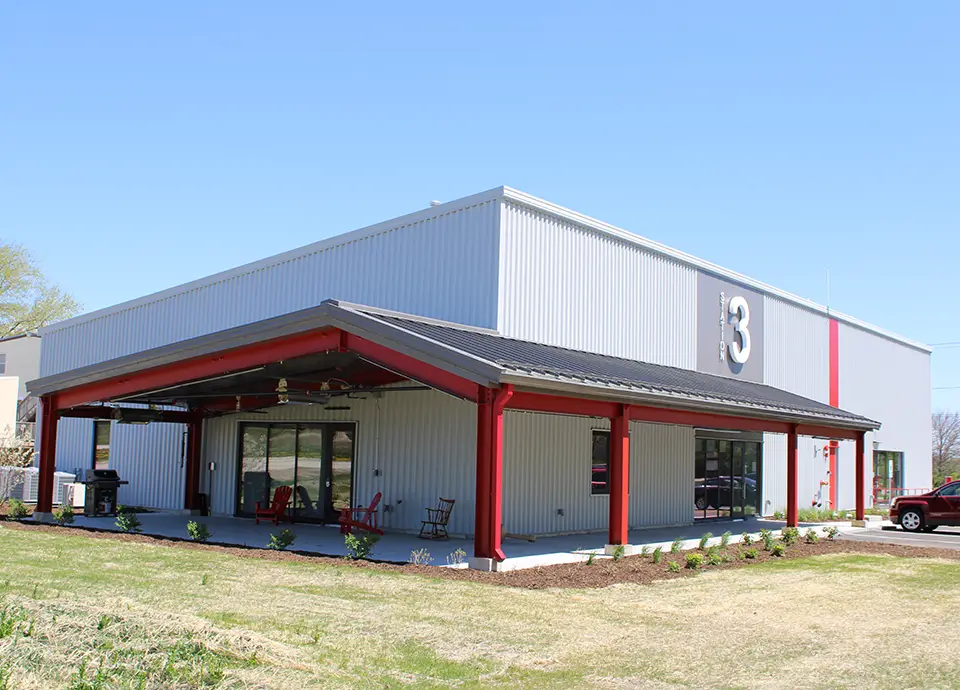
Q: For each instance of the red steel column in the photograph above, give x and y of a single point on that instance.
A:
(861, 475)
(49, 417)
(792, 472)
(835, 402)
(619, 477)
(191, 499)
(489, 512)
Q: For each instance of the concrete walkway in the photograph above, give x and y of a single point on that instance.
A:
(327, 540)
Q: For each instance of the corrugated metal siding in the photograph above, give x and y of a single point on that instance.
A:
(443, 266)
(661, 474)
(427, 449)
(890, 383)
(547, 468)
(149, 457)
(796, 358)
(563, 284)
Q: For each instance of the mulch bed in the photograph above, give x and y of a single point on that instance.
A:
(601, 573)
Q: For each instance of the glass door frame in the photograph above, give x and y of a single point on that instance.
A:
(329, 429)
(740, 511)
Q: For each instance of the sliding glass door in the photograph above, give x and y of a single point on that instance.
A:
(727, 475)
(315, 460)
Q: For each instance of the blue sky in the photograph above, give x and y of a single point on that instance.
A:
(145, 145)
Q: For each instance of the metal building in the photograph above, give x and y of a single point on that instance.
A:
(551, 372)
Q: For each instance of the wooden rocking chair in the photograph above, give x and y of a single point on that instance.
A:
(435, 526)
(275, 511)
(361, 518)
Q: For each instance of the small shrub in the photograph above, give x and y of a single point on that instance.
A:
(673, 567)
(198, 531)
(63, 515)
(590, 558)
(714, 558)
(725, 540)
(703, 540)
(751, 554)
(790, 536)
(778, 550)
(281, 541)
(645, 550)
(811, 536)
(619, 552)
(658, 554)
(360, 547)
(676, 545)
(694, 560)
(17, 509)
(457, 557)
(204, 580)
(832, 532)
(746, 539)
(127, 520)
(767, 537)
(779, 515)
(420, 557)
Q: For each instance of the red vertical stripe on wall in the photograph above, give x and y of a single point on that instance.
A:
(835, 402)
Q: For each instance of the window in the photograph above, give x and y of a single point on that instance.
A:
(951, 489)
(600, 462)
(101, 445)
(3, 364)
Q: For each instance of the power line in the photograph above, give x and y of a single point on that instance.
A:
(945, 388)
(952, 344)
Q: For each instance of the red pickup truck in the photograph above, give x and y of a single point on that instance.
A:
(928, 511)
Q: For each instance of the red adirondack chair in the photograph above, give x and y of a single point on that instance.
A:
(361, 518)
(275, 511)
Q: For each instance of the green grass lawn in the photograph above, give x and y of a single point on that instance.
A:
(77, 612)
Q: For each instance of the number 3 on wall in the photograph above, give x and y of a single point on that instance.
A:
(740, 352)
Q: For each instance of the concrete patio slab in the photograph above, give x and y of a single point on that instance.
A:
(326, 540)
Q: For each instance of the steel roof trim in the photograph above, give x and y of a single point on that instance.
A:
(550, 208)
(679, 401)
(328, 314)
(298, 252)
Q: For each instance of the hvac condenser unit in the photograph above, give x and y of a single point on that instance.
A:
(31, 485)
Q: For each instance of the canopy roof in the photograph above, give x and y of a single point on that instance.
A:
(476, 355)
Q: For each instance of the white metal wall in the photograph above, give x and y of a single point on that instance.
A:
(149, 457)
(547, 469)
(888, 382)
(796, 358)
(422, 443)
(442, 265)
(563, 284)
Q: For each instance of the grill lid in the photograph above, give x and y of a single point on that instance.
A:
(94, 476)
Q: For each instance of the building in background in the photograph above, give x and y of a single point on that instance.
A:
(547, 300)
(19, 363)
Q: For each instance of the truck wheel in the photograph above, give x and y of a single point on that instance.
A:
(911, 520)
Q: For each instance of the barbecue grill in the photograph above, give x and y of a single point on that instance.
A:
(101, 495)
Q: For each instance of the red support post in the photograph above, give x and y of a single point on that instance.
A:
(861, 476)
(49, 416)
(194, 459)
(489, 508)
(619, 477)
(793, 469)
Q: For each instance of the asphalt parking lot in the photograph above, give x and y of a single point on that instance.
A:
(942, 538)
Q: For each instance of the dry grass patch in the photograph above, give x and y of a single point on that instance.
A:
(166, 617)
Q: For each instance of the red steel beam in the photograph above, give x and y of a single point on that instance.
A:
(619, 477)
(557, 404)
(194, 459)
(489, 502)
(198, 368)
(793, 470)
(861, 477)
(411, 367)
(827, 432)
(48, 453)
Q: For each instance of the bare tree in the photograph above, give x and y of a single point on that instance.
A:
(946, 445)
(27, 299)
(14, 459)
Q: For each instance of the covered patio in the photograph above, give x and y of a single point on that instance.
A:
(338, 350)
(325, 540)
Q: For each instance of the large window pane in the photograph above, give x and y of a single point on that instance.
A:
(310, 495)
(342, 468)
(600, 461)
(101, 445)
(253, 469)
(282, 464)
